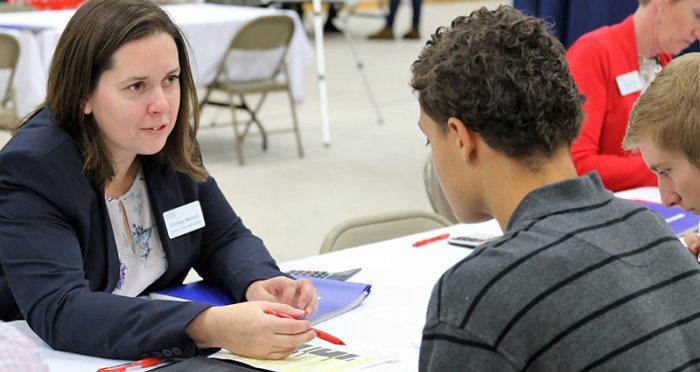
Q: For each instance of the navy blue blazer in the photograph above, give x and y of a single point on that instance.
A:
(59, 261)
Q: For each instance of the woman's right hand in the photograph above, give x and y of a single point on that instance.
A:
(246, 330)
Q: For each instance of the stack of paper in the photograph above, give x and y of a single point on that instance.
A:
(317, 356)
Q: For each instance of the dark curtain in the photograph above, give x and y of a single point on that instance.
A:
(573, 18)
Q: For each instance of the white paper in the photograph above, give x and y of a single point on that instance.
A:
(318, 355)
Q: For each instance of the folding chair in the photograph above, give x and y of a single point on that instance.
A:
(9, 54)
(370, 229)
(434, 190)
(263, 34)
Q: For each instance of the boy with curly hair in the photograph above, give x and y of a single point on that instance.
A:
(580, 279)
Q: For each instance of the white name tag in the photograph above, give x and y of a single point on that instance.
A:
(629, 83)
(185, 219)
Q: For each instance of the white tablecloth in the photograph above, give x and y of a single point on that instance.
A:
(391, 317)
(207, 27)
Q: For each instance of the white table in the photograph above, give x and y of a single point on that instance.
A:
(648, 193)
(402, 278)
(393, 315)
(207, 27)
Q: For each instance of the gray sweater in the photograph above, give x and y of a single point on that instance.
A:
(580, 281)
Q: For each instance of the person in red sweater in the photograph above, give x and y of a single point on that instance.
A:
(612, 66)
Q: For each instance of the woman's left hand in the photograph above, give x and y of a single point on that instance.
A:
(299, 293)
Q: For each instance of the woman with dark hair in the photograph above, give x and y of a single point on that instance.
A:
(104, 198)
(612, 66)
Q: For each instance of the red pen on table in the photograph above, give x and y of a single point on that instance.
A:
(431, 240)
(322, 335)
(143, 363)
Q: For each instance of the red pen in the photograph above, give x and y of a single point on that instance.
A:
(143, 363)
(322, 335)
(431, 240)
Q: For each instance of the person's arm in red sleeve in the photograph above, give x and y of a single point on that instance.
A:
(590, 67)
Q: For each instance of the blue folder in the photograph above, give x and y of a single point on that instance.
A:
(335, 296)
(196, 291)
(678, 220)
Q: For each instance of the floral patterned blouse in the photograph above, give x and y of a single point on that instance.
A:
(141, 257)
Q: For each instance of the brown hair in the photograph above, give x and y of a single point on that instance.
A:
(504, 76)
(668, 112)
(84, 52)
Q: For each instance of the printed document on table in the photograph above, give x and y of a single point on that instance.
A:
(318, 355)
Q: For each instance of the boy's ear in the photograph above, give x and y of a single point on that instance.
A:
(464, 139)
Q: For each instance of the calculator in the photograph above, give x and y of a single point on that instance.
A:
(340, 275)
(472, 240)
